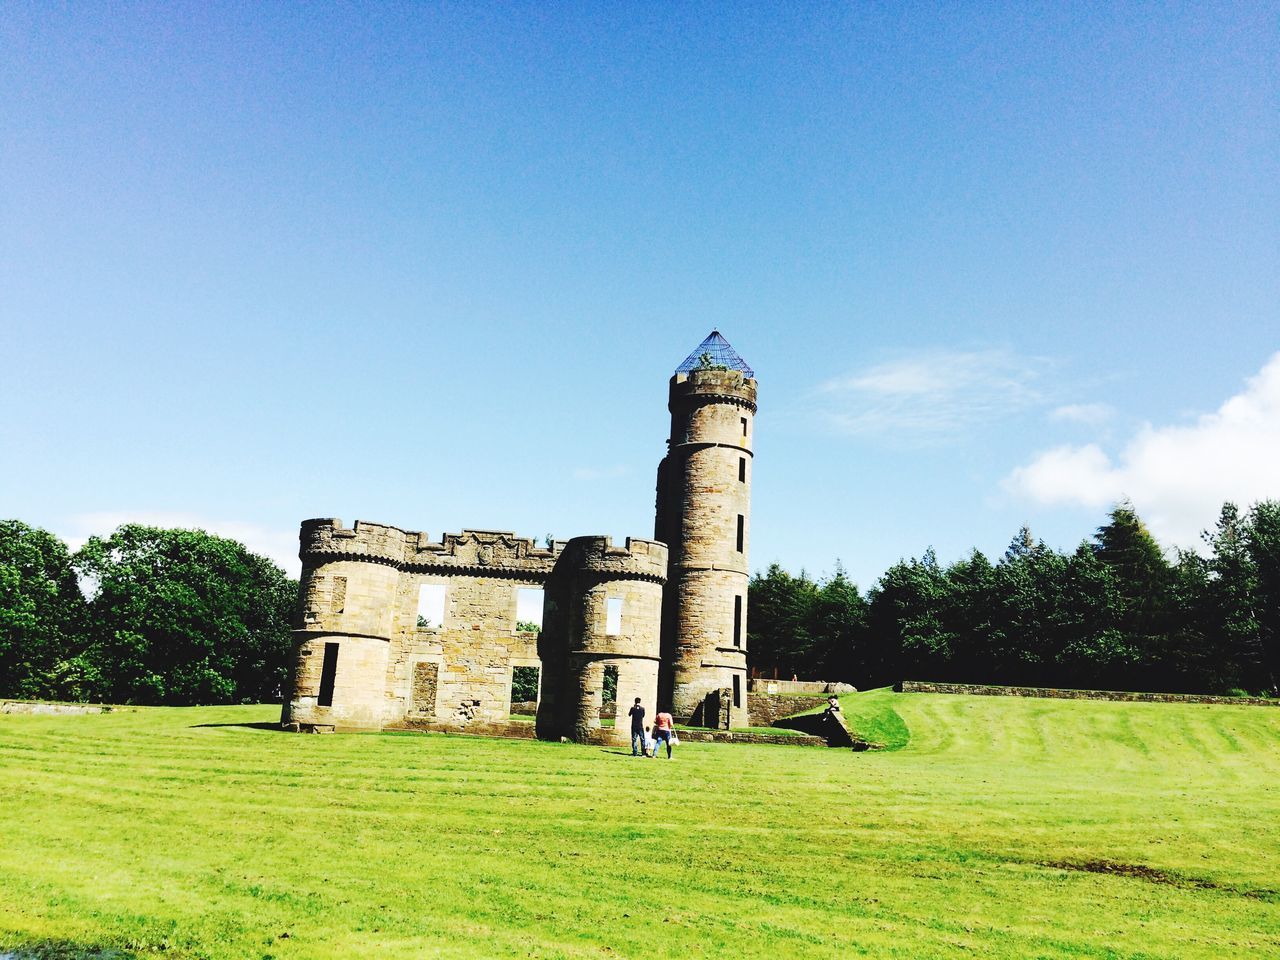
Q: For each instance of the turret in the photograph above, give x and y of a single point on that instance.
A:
(602, 616)
(348, 602)
(704, 516)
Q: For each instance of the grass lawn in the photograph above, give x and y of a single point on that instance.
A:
(993, 827)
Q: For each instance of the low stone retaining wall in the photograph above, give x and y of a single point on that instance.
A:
(734, 736)
(1052, 693)
(513, 728)
(60, 709)
(765, 709)
(530, 708)
(761, 685)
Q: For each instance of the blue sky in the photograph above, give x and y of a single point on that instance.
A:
(432, 265)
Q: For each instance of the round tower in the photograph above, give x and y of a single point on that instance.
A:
(338, 680)
(704, 516)
(602, 617)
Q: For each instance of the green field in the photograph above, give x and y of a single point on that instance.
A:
(993, 827)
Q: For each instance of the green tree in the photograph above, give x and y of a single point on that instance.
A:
(779, 622)
(1219, 596)
(42, 618)
(1091, 650)
(908, 635)
(1144, 580)
(1262, 543)
(183, 617)
(838, 628)
(969, 604)
(1028, 588)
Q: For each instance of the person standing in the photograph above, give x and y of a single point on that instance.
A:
(663, 727)
(637, 729)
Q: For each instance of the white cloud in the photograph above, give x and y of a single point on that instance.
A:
(929, 394)
(280, 546)
(1090, 414)
(1177, 476)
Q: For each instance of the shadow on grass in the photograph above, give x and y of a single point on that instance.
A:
(247, 726)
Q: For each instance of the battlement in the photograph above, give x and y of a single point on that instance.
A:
(711, 385)
(478, 550)
(376, 542)
(470, 550)
(638, 559)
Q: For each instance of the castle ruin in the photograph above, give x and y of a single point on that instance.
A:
(398, 631)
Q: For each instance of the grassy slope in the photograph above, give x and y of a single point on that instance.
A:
(148, 829)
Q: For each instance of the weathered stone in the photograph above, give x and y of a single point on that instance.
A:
(703, 513)
(363, 662)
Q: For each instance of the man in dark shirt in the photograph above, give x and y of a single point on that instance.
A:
(637, 729)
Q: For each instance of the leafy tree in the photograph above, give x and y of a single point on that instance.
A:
(906, 622)
(838, 627)
(1262, 544)
(1091, 650)
(1028, 584)
(42, 618)
(969, 605)
(524, 684)
(779, 622)
(182, 617)
(1144, 579)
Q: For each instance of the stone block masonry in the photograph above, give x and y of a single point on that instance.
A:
(703, 513)
(767, 709)
(397, 629)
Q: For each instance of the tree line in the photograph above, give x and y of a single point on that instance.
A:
(156, 616)
(164, 617)
(1115, 613)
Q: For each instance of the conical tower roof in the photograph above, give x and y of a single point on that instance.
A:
(715, 352)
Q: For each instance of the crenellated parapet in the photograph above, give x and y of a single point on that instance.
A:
(323, 540)
(598, 558)
(495, 553)
(712, 386)
(472, 552)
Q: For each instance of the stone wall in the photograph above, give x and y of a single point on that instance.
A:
(984, 690)
(766, 709)
(56, 709)
(473, 650)
(765, 685)
(742, 736)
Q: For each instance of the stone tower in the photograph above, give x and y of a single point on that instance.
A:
(602, 614)
(349, 582)
(703, 515)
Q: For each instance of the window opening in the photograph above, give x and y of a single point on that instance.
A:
(741, 530)
(737, 690)
(327, 673)
(529, 609)
(524, 692)
(737, 621)
(613, 616)
(742, 469)
(744, 426)
(610, 694)
(431, 605)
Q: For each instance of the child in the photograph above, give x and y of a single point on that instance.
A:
(648, 745)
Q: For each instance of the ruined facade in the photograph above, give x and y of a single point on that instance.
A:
(401, 631)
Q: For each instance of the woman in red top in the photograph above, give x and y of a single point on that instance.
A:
(662, 728)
